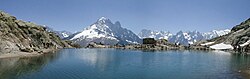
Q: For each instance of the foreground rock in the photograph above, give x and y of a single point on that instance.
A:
(19, 37)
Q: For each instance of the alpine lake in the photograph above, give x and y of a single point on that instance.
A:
(127, 64)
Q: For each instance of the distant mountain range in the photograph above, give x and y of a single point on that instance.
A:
(154, 34)
(61, 34)
(216, 33)
(184, 38)
(105, 32)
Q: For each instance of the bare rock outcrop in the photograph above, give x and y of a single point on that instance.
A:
(20, 36)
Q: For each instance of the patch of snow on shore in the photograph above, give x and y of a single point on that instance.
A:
(221, 46)
(208, 43)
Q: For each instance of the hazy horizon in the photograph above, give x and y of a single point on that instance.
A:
(135, 15)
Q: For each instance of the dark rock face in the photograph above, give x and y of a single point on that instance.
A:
(243, 25)
(240, 34)
(17, 35)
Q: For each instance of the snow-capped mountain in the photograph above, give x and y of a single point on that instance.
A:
(215, 33)
(61, 34)
(105, 32)
(186, 38)
(183, 38)
(154, 34)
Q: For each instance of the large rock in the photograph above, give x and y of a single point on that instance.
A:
(17, 35)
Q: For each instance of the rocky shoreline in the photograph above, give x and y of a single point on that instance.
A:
(27, 54)
(155, 46)
(163, 47)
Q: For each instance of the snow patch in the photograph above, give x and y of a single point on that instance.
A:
(190, 42)
(246, 43)
(65, 35)
(221, 46)
(208, 43)
(102, 18)
(132, 42)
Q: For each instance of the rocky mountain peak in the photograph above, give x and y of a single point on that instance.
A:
(103, 20)
(105, 32)
(180, 32)
(62, 34)
(154, 34)
(117, 23)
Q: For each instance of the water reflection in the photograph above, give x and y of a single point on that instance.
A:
(125, 64)
(168, 63)
(240, 61)
(103, 59)
(11, 68)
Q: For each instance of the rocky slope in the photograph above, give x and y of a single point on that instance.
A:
(17, 36)
(105, 32)
(238, 38)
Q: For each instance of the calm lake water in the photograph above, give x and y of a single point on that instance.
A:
(125, 64)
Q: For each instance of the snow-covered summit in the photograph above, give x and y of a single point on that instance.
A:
(105, 32)
(103, 20)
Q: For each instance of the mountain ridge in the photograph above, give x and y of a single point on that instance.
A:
(105, 32)
(62, 34)
(181, 37)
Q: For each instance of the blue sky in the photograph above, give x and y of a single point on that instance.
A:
(166, 15)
